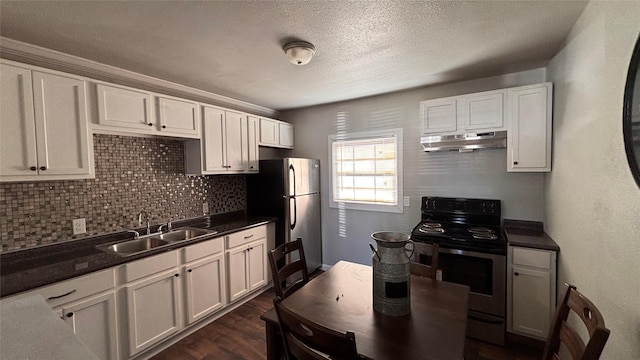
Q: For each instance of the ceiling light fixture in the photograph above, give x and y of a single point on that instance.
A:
(299, 52)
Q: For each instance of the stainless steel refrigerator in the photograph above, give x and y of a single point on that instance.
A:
(289, 189)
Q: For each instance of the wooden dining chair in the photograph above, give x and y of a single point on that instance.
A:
(562, 332)
(304, 339)
(288, 277)
(425, 249)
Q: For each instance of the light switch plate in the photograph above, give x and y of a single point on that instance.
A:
(79, 226)
(407, 201)
(205, 208)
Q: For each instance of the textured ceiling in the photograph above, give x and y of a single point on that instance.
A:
(234, 48)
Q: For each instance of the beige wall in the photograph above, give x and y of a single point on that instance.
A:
(592, 204)
(481, 174)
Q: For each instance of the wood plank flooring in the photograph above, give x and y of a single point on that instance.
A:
(240, 335)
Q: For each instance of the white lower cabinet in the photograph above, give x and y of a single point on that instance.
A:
(153, 310)
(88, 305)
(205, 279)
(246, 261)
(94, 321)
(531, 291)
(153, 300)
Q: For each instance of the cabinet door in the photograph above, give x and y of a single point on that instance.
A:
(205, 287)
(153, 308)
(236, 141)
(237, 264)
(529, 135)
(127, 108)
(94, 322)
(214, 139)
(178, 117)
(269, 132)
(257, 255)
(484, 111)
(531, 301)
(18, 157)
(62, 134)
(285, 134)
(254, 153)
(438, 116)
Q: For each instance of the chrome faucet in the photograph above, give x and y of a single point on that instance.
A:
(168, 225)
(146, 217)
(135, 233)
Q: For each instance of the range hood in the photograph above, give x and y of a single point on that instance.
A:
(464, 142)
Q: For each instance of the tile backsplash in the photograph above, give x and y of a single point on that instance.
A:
(132, 174)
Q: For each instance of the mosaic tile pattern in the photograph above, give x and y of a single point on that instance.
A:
(132, 174)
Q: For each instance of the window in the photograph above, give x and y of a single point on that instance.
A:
(365, 171)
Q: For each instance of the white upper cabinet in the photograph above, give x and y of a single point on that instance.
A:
(178, 117)
(529, 134)
(439, 116)
(483, 111)
(223, 148)
(124, 107)
(44, 132)
(275, 133)
(285, 132)
(253, 125)
(120, 109)
(471, 113)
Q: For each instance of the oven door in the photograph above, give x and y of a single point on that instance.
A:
(485, 274)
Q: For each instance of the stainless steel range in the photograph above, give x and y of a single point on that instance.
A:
(472, 252)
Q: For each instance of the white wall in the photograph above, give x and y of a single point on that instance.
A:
(592, 204)
(481, 174)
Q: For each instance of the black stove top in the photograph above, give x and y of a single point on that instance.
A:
(464, 224)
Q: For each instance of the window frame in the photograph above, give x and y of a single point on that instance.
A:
(398, 207)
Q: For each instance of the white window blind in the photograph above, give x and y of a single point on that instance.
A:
(365, 171)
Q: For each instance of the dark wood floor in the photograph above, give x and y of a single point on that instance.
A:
(240, 335)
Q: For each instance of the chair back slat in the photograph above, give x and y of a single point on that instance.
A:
(424, 249)
(288, 276)
(304, 338)
(562, 332)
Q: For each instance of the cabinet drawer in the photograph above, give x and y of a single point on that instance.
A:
(66, 291)
(246, 236)
(531, 257)
(151, 265)
(203, 249)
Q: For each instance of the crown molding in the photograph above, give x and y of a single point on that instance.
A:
(55, 60)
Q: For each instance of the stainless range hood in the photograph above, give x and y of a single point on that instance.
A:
(465, 142)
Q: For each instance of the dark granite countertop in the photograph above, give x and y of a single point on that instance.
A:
(528, 234)
(27, 269)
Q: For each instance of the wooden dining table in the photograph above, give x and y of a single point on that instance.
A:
(341, 298)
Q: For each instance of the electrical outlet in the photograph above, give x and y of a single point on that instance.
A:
(205, 208)
(79, 226)
(407, 201)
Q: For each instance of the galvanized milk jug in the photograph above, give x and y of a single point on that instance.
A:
(391, 271)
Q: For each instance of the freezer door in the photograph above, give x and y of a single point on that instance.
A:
(304, 222)
(303, 176)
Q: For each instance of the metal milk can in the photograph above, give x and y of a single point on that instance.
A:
(391, 273)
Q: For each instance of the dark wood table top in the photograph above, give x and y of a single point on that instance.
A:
(342, 299)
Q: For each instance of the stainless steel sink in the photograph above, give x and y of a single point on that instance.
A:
(154, 241)
(132, 247)
(185, 233)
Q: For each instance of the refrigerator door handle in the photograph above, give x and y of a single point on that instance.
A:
(295, 212)
(292, 171)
